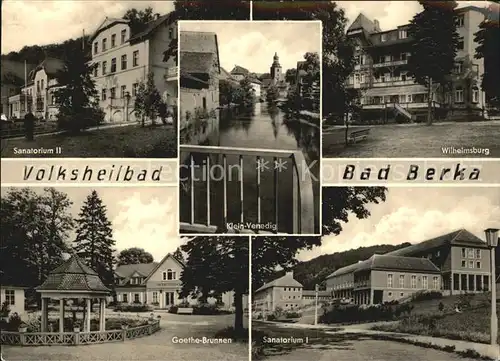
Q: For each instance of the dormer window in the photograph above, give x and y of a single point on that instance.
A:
(383, 38)
(460, 20)
(403, 34)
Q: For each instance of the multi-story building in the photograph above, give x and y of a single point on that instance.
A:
(309, 297)
(239, 73)
(158, 284)
(454, 263)
(38, 94)
(14, 77)
(387, 89)
(199, 74)
(124, 59)
(284, 292)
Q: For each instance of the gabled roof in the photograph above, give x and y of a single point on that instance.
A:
(127, 270)
(458, 237)
(198, 42)
(162, 262)
(363, 23)
(196, 63)
(52, 66)
(106, 24)
(73, 275)
(285, 281)
(385, 262)
(255, 81)
(239, 70)
(347, 269)
(152, 26)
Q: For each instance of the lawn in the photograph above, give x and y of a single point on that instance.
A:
(130, 141)
(418, 140)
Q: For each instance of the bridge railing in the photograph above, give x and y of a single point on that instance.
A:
(302, 189)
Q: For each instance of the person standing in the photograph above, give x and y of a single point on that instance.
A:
(29, 125)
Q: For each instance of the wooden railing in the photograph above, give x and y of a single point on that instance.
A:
(76, 338)
(303, 201)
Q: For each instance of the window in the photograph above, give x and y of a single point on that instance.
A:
(486, 283)
(170, 33)
(438, 253)
(123, 90)
(403, 34)
(389, 294)
(401, 281)
(123, 35)
(425, 282)
(134, 89)
(135, 58)
(113, 65)
(112, 93)
(383, 37)
(104, 67)
(96, 69)
(401, 294)
(435, 282)
(390, 280)
(409, 98)
(96, 47)
(460, 21)
(103, 94)
(470, 252)
(461, 43)
(459, 95)
(471, 264)
(136, 298)
(478, 264)
(475, 99)
(124, 62)
(170, 274)
(478, 253)
(464, 264)
(458, 68)
(113, 40)
(104, 44)
(402, 56)
(10, 297)
(125, 298)
(413, 281)
(42, 85)
(403, 76)
(464, 253)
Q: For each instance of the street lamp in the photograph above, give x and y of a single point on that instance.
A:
(492, 242)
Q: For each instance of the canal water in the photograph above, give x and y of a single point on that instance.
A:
(264, 127)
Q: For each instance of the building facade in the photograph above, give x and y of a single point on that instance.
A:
(14, 296)
(14, 76)
(124, 59)
(284, 292)
(239, 73)
(387, 89)
(199, 75)
(157, 284)
(454, 263)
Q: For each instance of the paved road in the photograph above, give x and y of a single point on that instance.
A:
(366, 350)
(158, 346)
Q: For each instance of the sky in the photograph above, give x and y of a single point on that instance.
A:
(30, 22)
(252, 44)
(414, 215)
(143, 217)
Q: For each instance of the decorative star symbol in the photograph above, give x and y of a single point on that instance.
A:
(280, 164)
(262, 165)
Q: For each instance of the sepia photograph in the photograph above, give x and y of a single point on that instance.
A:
(398, 271)
(94, 78)
(249, 125)
(407, 78)
(105, 277)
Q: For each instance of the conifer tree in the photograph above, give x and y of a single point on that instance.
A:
(94, 238)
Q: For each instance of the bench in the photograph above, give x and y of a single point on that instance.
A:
(185, 311)
(358, 135)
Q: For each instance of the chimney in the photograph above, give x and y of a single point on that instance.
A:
(289, 273)
(377, 25)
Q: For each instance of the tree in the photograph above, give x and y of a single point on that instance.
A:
(94, 238)
(340, 202)
(488, 49)
(148, 100)
(216, 265)
(247, 93)
(76, 96)
(227, 93)
(337, 51)
(178, 255)
(138, 19)
(134, 255)
(213, 10)
(311, 79)
(272, 94)
(35, 228)
(291, 76)
(434, 47)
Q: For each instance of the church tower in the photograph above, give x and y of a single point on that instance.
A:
(276, 73)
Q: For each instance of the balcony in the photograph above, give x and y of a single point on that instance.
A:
(419, 105)
(380, 84)
(172, 73)
(362, 284)
(390, 63)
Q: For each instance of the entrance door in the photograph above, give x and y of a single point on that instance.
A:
(169, 299)
(378, 296)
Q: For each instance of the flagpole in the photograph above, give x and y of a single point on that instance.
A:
(25, 87)
(83, 40)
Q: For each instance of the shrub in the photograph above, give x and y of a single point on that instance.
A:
(5, 310)
(441, 306)
(427, 295)
(132, 308)
(14, 322)
(271, 317)
(354, 314)
(205, 309)
(173, 309)
(292, 314)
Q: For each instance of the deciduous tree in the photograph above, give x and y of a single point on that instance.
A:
(148, 100)
(434, 47)
(272, 94)
(213, 10)
(291, 75)
(134, 255)
(138, 19)
(94, 240)
(246, 96)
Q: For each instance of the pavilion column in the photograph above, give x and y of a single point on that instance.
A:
(44, 314)
(87, 327)
(61, 315)
(102, 314)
